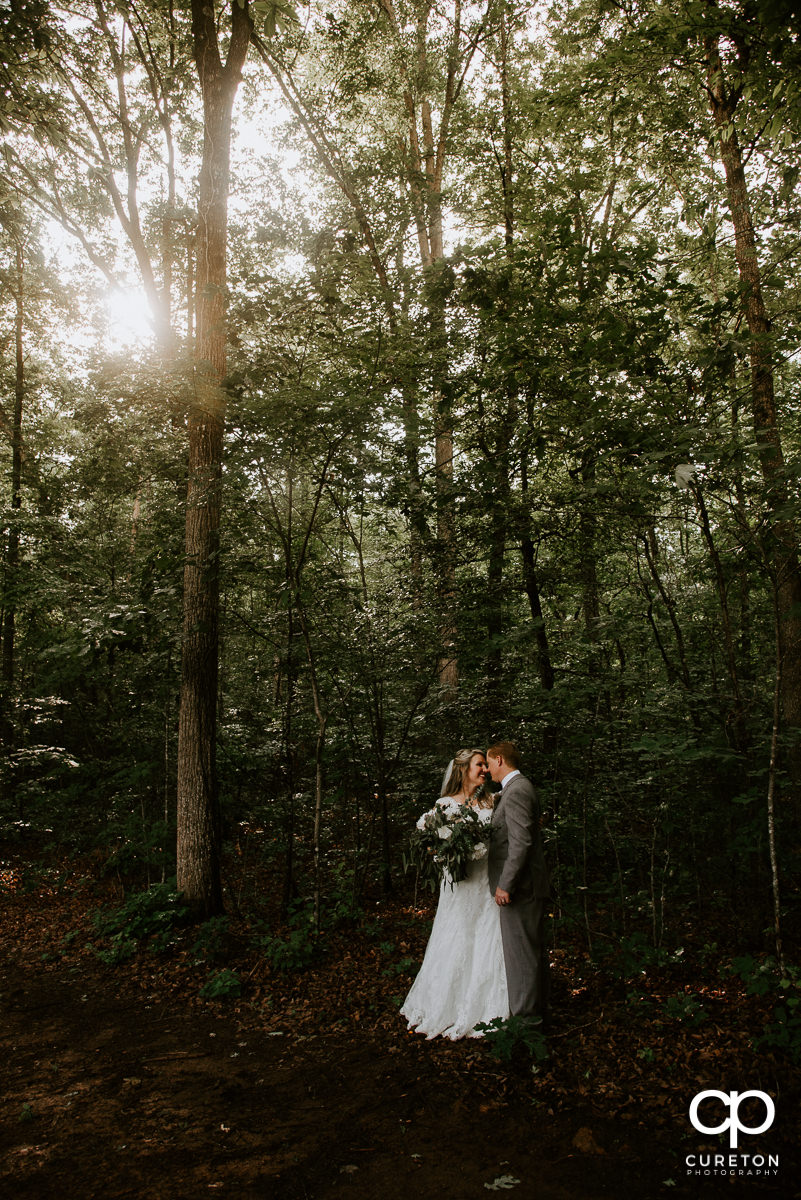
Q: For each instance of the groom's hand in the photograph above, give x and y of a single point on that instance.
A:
(502, 897)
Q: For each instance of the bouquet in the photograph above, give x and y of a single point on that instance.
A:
(447, 839)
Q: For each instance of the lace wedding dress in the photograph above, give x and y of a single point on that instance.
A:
(463, 979)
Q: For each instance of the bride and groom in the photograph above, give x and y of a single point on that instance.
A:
(487, 956)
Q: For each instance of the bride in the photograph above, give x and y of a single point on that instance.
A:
(462, 981)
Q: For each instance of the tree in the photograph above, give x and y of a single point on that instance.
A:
(724, 98)
(198, 800)
(419, 60)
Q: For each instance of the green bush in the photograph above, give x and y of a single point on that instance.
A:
(341, 906)
(765, 977)
(504, 1037)
(222, 985)
(212, 938)
(119, 950)
(686, 1009)
(151, 916)
(138, 844)
(296, 949)
(784, 1031)
(635, 955)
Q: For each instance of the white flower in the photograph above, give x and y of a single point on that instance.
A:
(480, 851)
(445, 831)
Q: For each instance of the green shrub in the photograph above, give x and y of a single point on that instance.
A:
(222, 985)
(685, 1008)
(138, 844)
(636, 955)
(212, 938)
(150, 916)
(504, 1037)
(296, 949)
(341, 907)
(784, 1031)
(119, 950)
(765, 977)
(402, 967)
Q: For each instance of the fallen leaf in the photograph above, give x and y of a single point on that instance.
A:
(586, 1143)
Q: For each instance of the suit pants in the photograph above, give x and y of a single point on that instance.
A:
(525, 955)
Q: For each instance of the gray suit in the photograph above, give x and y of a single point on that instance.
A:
(516, 864)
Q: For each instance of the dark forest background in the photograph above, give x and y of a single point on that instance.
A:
(507, 405)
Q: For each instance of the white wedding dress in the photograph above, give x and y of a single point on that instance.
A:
(463, 979)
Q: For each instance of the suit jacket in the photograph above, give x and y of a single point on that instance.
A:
(516, 861)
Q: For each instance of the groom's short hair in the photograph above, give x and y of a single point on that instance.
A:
(508, 751)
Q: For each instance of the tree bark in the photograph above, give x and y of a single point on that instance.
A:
(12, 549)
(738, 716)
(198, 801)
(527, 551)
(12, 546)
(784, 540)
(531, 582)
(587, 543)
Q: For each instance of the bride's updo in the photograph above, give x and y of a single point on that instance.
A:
(459, 767)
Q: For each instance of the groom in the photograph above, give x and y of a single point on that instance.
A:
(518, 878)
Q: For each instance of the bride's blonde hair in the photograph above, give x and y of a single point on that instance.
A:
(459, 768)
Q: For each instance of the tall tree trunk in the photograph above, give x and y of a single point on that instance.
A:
(587, 546)
(418, 525)
(531, 584)
(784, 548)
(738, 715)
(527, 552)
(321, 717)
(12, 546)
(198, 801)
(499, 516)
(446, 545)
(290, 758)
(501, 501)
(426, 149)
(12, 549)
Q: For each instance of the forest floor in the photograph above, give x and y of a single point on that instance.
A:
(123, 1081)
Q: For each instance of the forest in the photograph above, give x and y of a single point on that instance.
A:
(380, 378)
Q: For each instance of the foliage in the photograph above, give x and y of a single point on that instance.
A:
(686, 1008)
(137, 844)
(765, 978)
(150, 917)
(342, 906)
(600, 533)
(222, 985)
(296, 949)
(212, 938)
(635, 955)
(506, 1038)
(446, 840)
(345, 1007)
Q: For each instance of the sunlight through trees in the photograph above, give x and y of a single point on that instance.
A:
(341, 423)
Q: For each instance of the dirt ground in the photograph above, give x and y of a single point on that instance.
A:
(117, 1083)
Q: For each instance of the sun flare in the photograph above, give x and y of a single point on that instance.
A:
(130, 321)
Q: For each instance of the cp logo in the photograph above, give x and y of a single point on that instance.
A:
(732, 1101)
